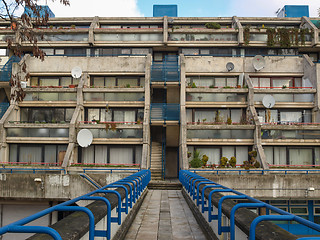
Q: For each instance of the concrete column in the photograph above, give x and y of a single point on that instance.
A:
(165, 29)
(236, 24)
(306, 23)
(94, 24)
(257, 130)
(145, 162)
(183, 158)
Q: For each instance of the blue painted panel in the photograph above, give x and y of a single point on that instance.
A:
(294, 11)
(165, 10)
(43, 10)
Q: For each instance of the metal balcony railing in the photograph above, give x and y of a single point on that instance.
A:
(3, 108)
(165, 111)
(166, 71)
(6, 71)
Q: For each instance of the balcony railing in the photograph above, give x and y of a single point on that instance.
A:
(6, 70)
(3, 108)
(167, 71)
(165, 111)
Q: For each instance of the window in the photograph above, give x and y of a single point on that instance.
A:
(48, 115)
(217, 82)
(123, 115)
(284, 116)
(217, 115)
(110, 154)
(277, 82)
(37, 153)
(114, 81)
(53, 81)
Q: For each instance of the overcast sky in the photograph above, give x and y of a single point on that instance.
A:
(191, 8)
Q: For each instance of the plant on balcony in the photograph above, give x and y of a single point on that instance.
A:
(284, 86)
(233, 162)
(212, 25)
(193, 85)
(295, 36)
(246, 35)
(204, 160)
(196, 160)
(224, 162)
(218, 118)
(128, 85)
(229, 121)
(204, 120)
(112, 126)
(271, 37)
(303, 33)
(284, 37)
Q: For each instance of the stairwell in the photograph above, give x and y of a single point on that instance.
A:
(156, 161)
(156, 113)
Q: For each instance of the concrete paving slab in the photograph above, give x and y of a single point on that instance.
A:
(164, 215)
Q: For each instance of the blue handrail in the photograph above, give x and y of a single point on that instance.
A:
(165, 111)
(33, 170)
(189, 180)
(3, 108)
(6, 71)
(142, 178)
(166, 71)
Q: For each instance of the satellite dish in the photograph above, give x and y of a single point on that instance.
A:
(258, 62)
(84, 138)
(230, 66)
(268, 101)
(76, 72)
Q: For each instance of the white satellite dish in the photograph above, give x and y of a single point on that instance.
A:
(268, 101)
(84, 138)
(258, 62)
(76, 72)
(230, 66)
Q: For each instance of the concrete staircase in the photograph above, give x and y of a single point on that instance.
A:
(156, 161)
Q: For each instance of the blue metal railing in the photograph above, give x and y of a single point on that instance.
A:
(136, 182)
(165, 111)
(6, 71)
(3, 108)
(189, 180)
(33, 170)
(166, 71)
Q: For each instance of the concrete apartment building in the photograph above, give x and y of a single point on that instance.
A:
(155, 89)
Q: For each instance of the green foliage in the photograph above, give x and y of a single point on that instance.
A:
(223, 162)
(194, 85)
(271, 33)
(205, 159)
(284, 37)
(229, 121)
(253, 153)
(128, 85)
(196, 160)
(233, 162)
(212, 25)
(218, 118)
(246, 35)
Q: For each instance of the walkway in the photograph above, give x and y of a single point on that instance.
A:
(165, 215)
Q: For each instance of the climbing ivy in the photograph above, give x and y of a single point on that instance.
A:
(246, 35)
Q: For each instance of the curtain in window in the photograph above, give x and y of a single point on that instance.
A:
(300, 156)
(121, 155)
(101, 154)
(280, 156)
(50, 154)
(30, 154)
(212, 153)
(228, 152)
(241, 154)
(88, 154)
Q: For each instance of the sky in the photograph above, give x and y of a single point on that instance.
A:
(186, 8)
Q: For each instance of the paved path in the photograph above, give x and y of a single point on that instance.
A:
(164, 215)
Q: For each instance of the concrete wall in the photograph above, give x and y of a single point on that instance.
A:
(271, 186)
(218, 64)
(56, 64)
(53, 186)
